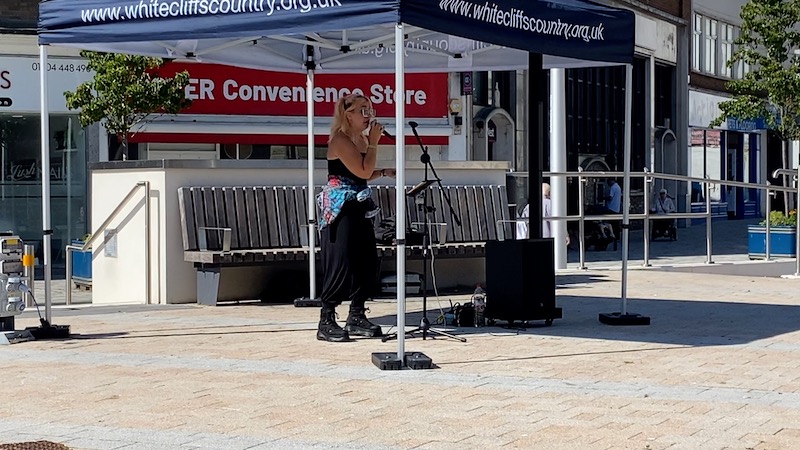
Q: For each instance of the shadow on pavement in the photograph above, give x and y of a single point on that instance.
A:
(674, 322)
(211, 330)
(580, 280)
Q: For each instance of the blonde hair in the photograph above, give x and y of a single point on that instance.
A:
(343, 105)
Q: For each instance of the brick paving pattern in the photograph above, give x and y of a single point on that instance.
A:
(719, 368)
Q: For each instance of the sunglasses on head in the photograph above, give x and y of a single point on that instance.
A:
(349, 101)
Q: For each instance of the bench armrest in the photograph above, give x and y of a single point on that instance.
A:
(500, 226)
(202, 242)
(442, 232)
(304, 235)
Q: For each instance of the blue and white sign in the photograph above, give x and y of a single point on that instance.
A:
(746, 125)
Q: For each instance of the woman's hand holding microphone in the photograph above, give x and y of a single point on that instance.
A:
(376, 130)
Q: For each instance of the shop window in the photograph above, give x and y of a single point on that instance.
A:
(710, 55)
(697, 41)
(726, 49)
(319, 152)
(714, 161)
(742, 68)
(664, 84)
(706, 153)
(116, 152)
(713, 47)
(269, 151)
(237, 151)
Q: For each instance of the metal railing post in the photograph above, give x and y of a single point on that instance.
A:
(708, 223)
(581, 223)
(148, 272)
(68, 291)
(30, 270)
(647, 181)
(767, 248)
(797, 230)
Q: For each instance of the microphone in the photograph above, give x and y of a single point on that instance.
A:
(385, 133)
(412, 124)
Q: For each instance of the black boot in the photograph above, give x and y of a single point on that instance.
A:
(329, 330)
(359, 325)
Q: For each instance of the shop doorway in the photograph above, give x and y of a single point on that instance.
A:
(734, 171)
(494, 136)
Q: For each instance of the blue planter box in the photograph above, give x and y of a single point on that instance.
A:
(81, 263)
(781, 244)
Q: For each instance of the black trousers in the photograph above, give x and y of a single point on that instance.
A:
(349, 258)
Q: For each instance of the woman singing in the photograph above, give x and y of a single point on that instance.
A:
(348, 251)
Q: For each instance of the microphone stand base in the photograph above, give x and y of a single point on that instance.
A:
(411, 360)
(303, 302)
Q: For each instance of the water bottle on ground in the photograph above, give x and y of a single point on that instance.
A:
(479, 302)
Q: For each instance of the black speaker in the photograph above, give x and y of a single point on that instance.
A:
(521, 281)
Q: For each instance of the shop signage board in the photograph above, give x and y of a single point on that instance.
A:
(19, 82)
(219, 89)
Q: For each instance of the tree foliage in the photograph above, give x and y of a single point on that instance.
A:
(125, 90)
(771, 90)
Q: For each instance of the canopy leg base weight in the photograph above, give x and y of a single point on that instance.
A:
(49, 331)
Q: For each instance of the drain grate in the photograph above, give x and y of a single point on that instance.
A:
(38, 445)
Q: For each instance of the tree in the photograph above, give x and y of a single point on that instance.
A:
(768, 43)
(125, 91)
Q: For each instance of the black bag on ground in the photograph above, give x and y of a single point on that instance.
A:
(460, 315)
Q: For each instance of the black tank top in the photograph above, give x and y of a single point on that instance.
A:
(337, 167)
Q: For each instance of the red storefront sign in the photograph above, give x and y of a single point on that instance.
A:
(218, 89)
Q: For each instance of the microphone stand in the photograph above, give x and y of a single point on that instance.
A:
(421, 190)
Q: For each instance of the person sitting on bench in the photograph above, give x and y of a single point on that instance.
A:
(663, 206)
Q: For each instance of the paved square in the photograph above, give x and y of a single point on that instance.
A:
(718, 368)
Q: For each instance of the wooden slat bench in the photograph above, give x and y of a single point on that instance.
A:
(240, 226)
(477, 207)
(263, 225)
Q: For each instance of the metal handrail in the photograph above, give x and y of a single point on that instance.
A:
(646, 216)
(672, 177)
(796, 175)
(86, 245)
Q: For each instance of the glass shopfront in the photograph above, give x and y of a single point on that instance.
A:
(21, 185)
(21, 160)
(727, 155)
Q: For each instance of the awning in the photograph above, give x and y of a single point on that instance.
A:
(318, 36)
(453, 35)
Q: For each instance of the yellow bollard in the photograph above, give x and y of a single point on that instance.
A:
(28, 262)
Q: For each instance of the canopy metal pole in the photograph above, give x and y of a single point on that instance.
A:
(45, 131)
(400, 182)
(626, 183)
(558, 163)
(312, 259)
(624, 317)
